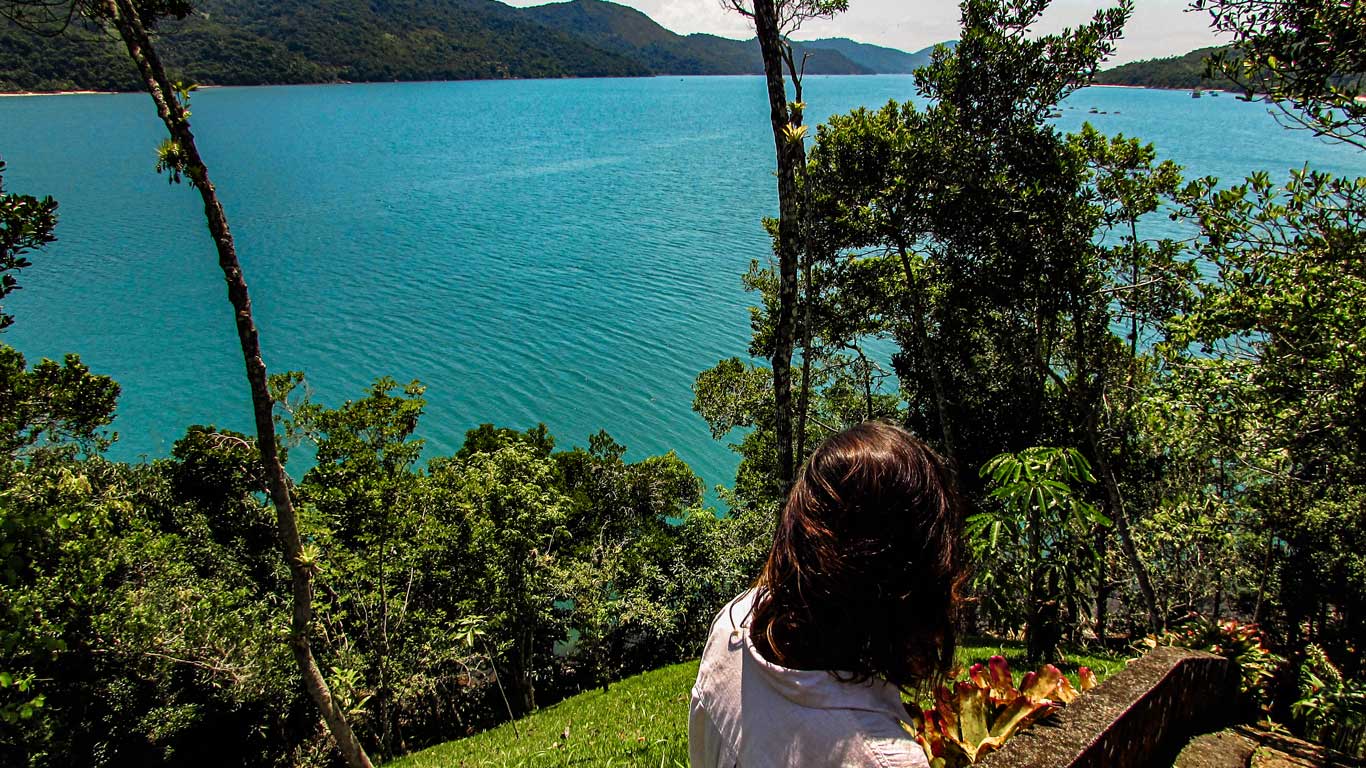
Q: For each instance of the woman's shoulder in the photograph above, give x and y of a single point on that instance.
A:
(734, 616)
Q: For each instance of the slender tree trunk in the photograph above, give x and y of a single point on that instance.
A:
(791, 156)
(804, 397)
(493, 665)
(1126, 541)
(1264, 576)
(867, 385)
(1115, 501)
(124, 16)
(807, 294)
(915, 307)
(1103, 588)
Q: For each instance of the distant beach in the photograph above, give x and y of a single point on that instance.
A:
(16, 94)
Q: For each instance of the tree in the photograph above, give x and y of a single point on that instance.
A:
(774, 20)
(139, 627)
(179, 156)
(55, 407)
(359, 490)
(997, 255)
(513, 516)
(26, 224)
(1285, 319)
(1306, 58)
(1132, 286)
(59, 410)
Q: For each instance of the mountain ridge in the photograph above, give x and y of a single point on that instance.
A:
(880, 59)
(276, 42)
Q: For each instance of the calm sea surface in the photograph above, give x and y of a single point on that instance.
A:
(559, 251)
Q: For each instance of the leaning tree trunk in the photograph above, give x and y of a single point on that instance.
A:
(124, 16)
(1115, 501)
(791, 154)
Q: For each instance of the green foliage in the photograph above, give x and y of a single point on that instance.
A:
(1038, 481)
(139, 627)
(1001, 72)
(929, 227)
(26, 224)
(1242, 643)
(1331, 710)
(1033, 545)
(1286, 312)
(1303, 57)
(53, 407)
(1007, 269)
(1278, 378)
(152, 592)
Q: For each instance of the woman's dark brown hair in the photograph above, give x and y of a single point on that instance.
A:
(866, 564)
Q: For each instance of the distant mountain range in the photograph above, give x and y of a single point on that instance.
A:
(256, 42)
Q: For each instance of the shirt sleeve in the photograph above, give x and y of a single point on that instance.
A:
(706, 747)
(898, 753)
(889, 744)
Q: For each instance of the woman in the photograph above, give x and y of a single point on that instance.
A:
(854, 605)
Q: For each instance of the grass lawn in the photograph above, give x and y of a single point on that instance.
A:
(642, 721)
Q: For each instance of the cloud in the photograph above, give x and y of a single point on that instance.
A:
(1158, 27)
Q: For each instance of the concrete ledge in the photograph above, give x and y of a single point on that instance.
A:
(1225, 749)
(1140, 717)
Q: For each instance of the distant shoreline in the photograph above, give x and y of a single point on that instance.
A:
(1159, 87)
(16, 94)
(19, 94)
(13, 94)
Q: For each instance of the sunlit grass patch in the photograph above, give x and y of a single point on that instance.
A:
(640, 721)
(643, 720)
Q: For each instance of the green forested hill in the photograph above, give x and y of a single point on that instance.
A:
(627, 31)
(241, 42)
(247, 42)
(419, 39)
(1186, 71)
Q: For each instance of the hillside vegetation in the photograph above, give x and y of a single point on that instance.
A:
(254, 42)
(631, 33)
(1186, 71)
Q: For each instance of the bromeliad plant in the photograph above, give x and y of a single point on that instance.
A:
(1331, 709)
(1240, 642)
(983, 712)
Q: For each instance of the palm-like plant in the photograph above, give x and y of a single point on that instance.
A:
(1033, 544)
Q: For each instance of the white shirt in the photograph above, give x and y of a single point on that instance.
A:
(749, 712)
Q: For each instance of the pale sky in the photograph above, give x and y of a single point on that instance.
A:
(1157, 28)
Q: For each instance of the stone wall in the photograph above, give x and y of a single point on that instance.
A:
(1139, 717)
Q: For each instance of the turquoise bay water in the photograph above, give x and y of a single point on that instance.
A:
(557, 251)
